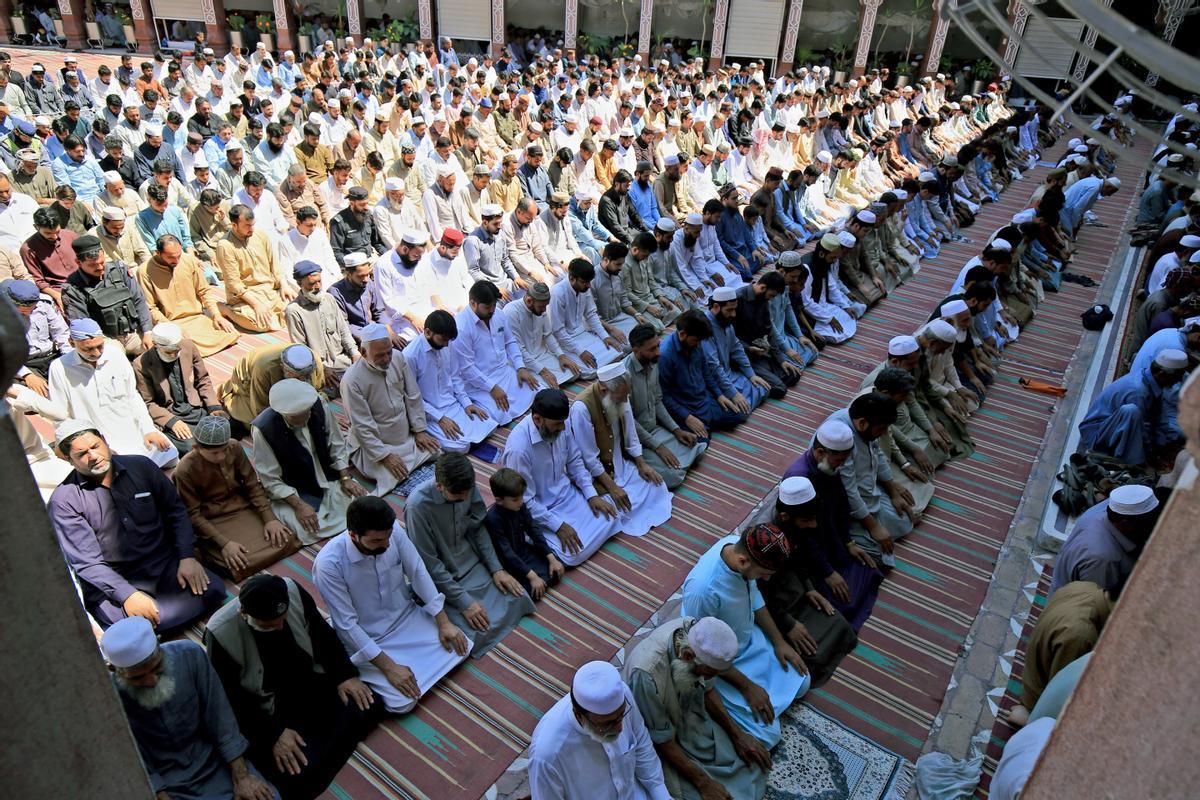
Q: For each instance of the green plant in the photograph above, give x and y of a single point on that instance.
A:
(918, 20)
(375, 34)
(805, 55)
(841, 58)
(236, 22)
(305, 29)
(624, 49)
(983, 70)
(946, 65)
(903, 68)
(123, 15)
(264, 23)
(404, 30)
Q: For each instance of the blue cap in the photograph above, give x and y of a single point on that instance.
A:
(305, 268)
(485, 102)
(85, 328)
(26, 127)
(23, 293)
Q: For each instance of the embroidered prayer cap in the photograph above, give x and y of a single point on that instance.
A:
(234, 144)
(847, 239)
(1171, 359)
(298, 359)
(941, 330)
(539, 291)
(69, 427)
(796, 491)
(903, 346)
(129, 642)
(85, 328)
(212, 431)
(305, 268)
(866, 217)
(713, 642)
(597, 688)
(264, 597)
(666, 224)
(21, 292)
(953, 307)
(167, 334)
(1132, 500)
(768, 546)
(394, 184)
(724, 294)
(612, 371)
(789, 259)
(414, 237)
(694, 218)
(831, 241)
(551, 404)
(291, 396)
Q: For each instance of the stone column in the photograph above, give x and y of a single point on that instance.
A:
(645, 20)
(868, 10)
(939, 27)
(143, 23)
(1082, 62)
(215, 30)
(355, 14)
(6, 28)
(498, 25)
(1173, 11)
(425, 19)
(286, 35)
(72, 20)
(717, 45)
(570, 24)
(791, 31)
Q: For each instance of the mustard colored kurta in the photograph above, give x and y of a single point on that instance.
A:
(250, 273)
(183, 296)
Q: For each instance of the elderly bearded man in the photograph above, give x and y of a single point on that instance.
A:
(371, 577)
(175, 385)
(444, 518)
(295, 694)
(601, 422)
(671, 674)
(559, 490)
(315, 320)
(594, 745)
(185, 729)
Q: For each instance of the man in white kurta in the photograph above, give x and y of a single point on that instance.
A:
(308, 241)
(388, 436)
(593, 744)
(368, 577)
(454, 420)
(405, 304)
(577, 324)
(529, 319)
(395, 213)
(494, 374)
(442, 273)
(95, 382)
(601, 422)
(559, 491)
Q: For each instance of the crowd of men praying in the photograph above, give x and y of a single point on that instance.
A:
(441, 245)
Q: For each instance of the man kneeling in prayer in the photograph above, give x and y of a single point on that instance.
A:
(371, 578)
(601, 422)
(444, 517)
(768, 674)
(295, 693)
(704, 753)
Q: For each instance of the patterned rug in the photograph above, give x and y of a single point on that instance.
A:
(821, 759)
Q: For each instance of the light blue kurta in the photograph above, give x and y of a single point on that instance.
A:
(712, 589)
(439, 375)
(727, 356)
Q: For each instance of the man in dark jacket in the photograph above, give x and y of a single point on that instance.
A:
(108, 294)
(616, 212)
(352, 230)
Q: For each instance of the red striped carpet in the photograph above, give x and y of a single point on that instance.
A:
(477, 721)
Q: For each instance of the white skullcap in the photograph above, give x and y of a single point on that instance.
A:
(1001, 244)
(415, 236)
(900, 194)
(626, 131)
(354, 259)
(1113, 182)
(167, 334)
(445, 169)
(292, 396)
(796, 491)
(1175, 158)
(1190, 324)
(154, 129)
(1190, 241)
(671, 160)
(847, 239)
(835, 435)
(941, 330)
(724, 294)
(287, 53)
(41, 121)
(129, 642)
(823, 113)
(903, 346)
(952, 307)
(535, 126)
(491, 210)
(1079, 160)
(665, 224)
(586, 193)
(234, 144)
(298, 358)
(200, 161)
(375, 332)
(1081, 149)
(694, 218)
(597, 687)
(417, 119)
(69, 427)
(394, 184)
(112, 176)
(866, 217)
(1194, 258)
(1074, 143)
(1024, 216)
(112, 213)
(1131, 500)
(714, 643)
(1011, 129)
(612, 371)
(673, 122)
(926, 176)
(825, 157)
(1171, 359)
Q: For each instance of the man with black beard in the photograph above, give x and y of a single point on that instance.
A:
(353, 229)
(617, 213)
(764, 347)
(185, 730)
(294, 691)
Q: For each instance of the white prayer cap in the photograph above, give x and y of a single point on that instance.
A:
(69, 427)
(835, 435)
(1194, 258)
(491, 210)
(375, 332)
(825, 157)
(941, 330)
(626, 131)
(1079, 160)
(414, 237)
(793, 128)
(1190, 324)
(724, 294)
(895, 123)
(665, 224)
(394, 184)
(847, 239)
(900, 194)
(445, 169)
(952, 307)
(167, 334)
(292, 396)
(287, 53)
(234, 144)
(955, 106)
(129, 642)
(1011, 129)
(671, 160)
(417, 119)
(903, 346)
(1081, 149)
(154, 129)
(714, 643)
(1190, 241)
(796, 491)
(1001, 244)
(585, 194)
(1131, 500)
(1024, 216)
(823, 113)
(1074, 143)
(866, 217)
(1171, 359)
(354, 259)
(112, 213)
(597, 687)
(535, 126)
(673, 122)
(612, 371)
(112, 176)
(297, 358)
(1090, 140)
(41, 121)
(1175, 158)
(694, 218)
(926, 176)
(200, 161)
(1113, 182)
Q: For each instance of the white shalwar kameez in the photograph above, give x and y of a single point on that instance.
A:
(371, 606)
(650, 504)
(439, 374)
(823, 312)
(489, 356)
(402, 295)
(535, 337)
(444, 281)
(558, 489)
(578, 328)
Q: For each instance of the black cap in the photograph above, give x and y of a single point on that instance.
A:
(264, 597)
(85, 246)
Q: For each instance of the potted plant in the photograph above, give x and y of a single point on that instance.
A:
(841, 62)
(805, 57)
(265, 25)
(304, 34)
(236, 23)
(903, 74)
(982, 72)
(122, 13)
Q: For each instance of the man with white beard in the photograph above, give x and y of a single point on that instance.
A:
(395, 214)
(594, 745)
(185, 729)
(601, 422)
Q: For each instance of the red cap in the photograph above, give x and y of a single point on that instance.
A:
(597, 120)
(452, 237)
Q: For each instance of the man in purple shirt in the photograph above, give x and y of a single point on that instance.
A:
(126, 535)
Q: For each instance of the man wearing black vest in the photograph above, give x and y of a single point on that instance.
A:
(295, 693)
(106, 293)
